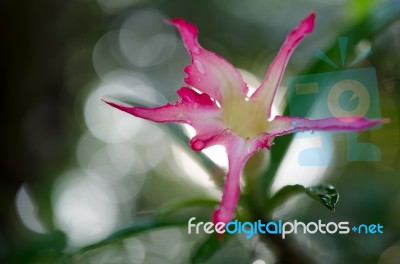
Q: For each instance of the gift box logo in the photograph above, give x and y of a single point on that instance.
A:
(347, 92)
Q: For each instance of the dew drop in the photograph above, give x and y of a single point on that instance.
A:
(200, 67)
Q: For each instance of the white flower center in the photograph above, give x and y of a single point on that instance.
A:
(247, 118)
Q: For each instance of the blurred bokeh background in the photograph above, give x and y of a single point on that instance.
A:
(76, 171)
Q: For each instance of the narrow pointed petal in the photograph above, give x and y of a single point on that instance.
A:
(266, 91)
(287, 124)
(239, 150)
(197, 110)
(209, 72)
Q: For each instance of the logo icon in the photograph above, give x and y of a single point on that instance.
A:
(341, 93)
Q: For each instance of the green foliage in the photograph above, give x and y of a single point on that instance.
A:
(194, 202)
(142, 224)
(207, 248)
(325, 194)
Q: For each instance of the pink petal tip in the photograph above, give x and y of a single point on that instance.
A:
(309, 22)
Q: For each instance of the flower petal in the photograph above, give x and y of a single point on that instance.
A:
(282, 125)
(209, 72)
(239, 151)
(197, 110)
(267, 89)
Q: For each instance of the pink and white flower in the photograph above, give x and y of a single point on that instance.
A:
(222, 113)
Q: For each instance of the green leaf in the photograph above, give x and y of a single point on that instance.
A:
(359, 8)
(175, 206)
(325, 194)
(140, 225)
(32, 251)
(207, 248)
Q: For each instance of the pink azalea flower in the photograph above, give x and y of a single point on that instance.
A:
(222, 113)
